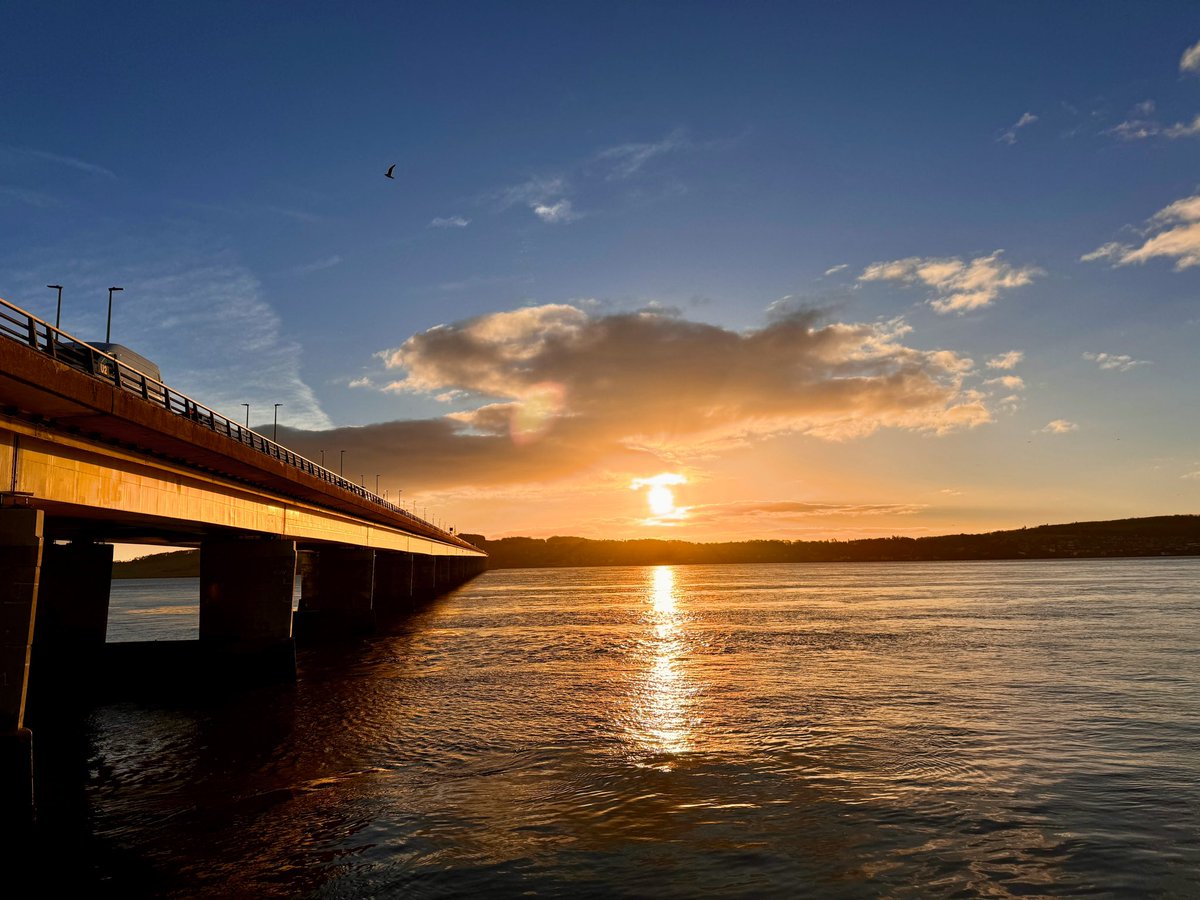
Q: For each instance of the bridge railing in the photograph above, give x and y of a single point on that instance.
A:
(24, 327)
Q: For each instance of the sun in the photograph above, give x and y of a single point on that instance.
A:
(661, 498)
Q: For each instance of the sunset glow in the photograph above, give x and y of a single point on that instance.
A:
(826, 281)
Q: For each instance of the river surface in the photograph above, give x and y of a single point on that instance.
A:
(853, 730)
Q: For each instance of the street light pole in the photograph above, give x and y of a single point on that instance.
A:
(247, 405)
(275, 425)
(376, 485)
(342, 464)
(108, 327)
(58, 309)
(322, 459)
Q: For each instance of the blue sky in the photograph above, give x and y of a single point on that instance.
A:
(936, 172)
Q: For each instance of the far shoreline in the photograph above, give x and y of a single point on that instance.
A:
(1150, 537)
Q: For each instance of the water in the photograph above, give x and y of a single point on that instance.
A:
(995, 729)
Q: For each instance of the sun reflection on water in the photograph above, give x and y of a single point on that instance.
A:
(662, 695)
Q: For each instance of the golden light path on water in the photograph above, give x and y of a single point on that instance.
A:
(661, 720)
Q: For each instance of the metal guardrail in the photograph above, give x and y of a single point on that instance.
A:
(18, 325)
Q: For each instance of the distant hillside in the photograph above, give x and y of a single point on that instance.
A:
(180, 564)
(1155, 536)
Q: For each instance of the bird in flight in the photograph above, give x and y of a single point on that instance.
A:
(388, 173)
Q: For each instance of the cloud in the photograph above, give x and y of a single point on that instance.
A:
(1008, 382)
(1173, 233)
(205, 322)
(713, 513)
(1059, 426)
(1115, 362)
(1190, 61)
(297, 215)
(626, 160)
(543, 195)
(449, 222)
(959, 286)
(1008, 360)
(317, 265)
(1010, 137)
(833, 270)
(69, 161)
(554, 390)
(364, 382)
(1142, 126)
(532, 192)
(29, 198)
(1182, 129)
(555, 212)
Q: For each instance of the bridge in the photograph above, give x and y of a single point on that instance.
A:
(94, 451)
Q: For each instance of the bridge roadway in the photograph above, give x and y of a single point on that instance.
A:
(94, 452)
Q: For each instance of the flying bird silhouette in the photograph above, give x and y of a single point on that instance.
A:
(388, 173)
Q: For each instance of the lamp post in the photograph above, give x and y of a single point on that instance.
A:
(247, 405)
(322, 459)
(376, 485)
(275, 424)
(108, 327)
(342, 464)
(58, 309)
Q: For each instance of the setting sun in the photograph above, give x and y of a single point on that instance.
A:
(661, 498)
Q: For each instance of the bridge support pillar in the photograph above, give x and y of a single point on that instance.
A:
(338, 595)
(393, 582)
(72, 615)
(246, 606)
(20, 570)
(425, 576)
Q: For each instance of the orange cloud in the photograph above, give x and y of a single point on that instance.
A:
(560, 391)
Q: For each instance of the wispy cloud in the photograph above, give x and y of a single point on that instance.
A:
(551, 196)
(1190, 61)
(1116, 362)
(62, 160)
(1008, 382)
(959, 286)
(297, 215)
(317, 265)
(1009, 360)
(1142, 125)
(1010, 136)
(717, 513)
(450, 222)
(29, 198)
(559, 212)
(1172, 233)
(531, 192)
(205, 321)
(833, 270)
(626, 160)
(1059, 426)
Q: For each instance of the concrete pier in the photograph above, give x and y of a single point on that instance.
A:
(21, 533)
(425, 584)
(393, 593)
(246, 589)
(72, 611)
(338, 593)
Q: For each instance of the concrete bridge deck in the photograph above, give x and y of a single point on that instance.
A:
(93, 452)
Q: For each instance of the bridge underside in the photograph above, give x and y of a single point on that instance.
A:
(65, 497)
